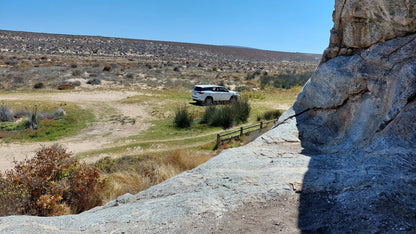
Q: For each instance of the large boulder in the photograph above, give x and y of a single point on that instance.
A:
(356, 101)
(361, 24)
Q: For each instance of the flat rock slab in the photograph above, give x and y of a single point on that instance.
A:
(203, 200)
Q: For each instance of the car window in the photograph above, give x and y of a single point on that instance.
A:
(198, 89)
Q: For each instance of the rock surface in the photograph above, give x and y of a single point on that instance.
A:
(355, 118)
(342, 159)
(197, 201)
(361, 24)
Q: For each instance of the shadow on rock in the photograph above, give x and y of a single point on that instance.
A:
(355, 119)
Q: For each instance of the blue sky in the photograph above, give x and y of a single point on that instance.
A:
(280, 25)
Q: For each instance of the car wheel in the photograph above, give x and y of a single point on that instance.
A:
(233, 100)
(208, 101)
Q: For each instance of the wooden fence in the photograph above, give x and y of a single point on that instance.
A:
(237, 134)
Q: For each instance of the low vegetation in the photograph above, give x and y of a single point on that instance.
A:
(269, 115)
(176, 138)
(51, 183)
(183, 118)
(132, 174)
(46, 125)
(164, 150)
(285, 81)
(228, 115)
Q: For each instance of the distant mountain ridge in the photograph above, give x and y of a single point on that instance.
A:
(61, 44)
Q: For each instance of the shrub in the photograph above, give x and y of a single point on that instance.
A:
(21, 113)
(269, 115)
(94, 81)
(49, 184)
(66, 86)
(183, 119)
(226, 116)
(39, 85)
(13, 197)
(76, 72)
(107, 68)
(241, 110)
(208, 114)
(222, 117)
(58, 113)
(6, 114)
(33, 119)
(75, 83)
(285, 81)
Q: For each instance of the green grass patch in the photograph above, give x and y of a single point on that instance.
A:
(164, 136)
(49, 129)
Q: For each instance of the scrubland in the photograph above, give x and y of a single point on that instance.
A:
(119, 115)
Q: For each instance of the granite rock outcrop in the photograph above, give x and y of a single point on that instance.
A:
(346, 150)
(361, 24)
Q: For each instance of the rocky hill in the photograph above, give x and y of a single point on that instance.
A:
(341, 160)
(29, 59)
(57, 44)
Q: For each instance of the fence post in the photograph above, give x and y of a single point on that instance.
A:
(241, 131)
(261, 125)
(218, 139)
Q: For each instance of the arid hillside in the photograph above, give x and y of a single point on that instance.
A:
(37, 60)
(41, 43)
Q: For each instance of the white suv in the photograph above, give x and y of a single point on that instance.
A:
(210, 94)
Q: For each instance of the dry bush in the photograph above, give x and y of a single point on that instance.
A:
(66, 86)
(49, 184)
(185, 160)
(107, 68)
(6, 114)
(13, 197)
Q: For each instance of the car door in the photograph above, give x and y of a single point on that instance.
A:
(224, 94)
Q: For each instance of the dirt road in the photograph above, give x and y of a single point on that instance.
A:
(101, 134)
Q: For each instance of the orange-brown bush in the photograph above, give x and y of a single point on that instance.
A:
(49, 184)
(66, 86)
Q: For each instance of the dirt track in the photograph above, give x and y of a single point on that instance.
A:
(101, 134)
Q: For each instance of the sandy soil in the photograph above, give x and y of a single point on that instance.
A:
(102, 133)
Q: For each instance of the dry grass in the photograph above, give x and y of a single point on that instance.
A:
(144, 172)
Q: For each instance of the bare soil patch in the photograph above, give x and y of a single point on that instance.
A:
(102, 133)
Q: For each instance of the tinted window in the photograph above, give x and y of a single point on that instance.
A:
(203, 89)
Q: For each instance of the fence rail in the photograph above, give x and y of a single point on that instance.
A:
(243, 131)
